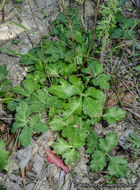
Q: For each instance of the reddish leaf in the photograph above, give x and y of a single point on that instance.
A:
(54, 159)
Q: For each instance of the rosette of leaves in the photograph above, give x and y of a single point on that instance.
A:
(99, 148)
(80, 104)
(73, 102)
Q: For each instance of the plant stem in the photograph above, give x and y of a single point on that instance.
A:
(2, 4)
(10, 159)
(40, 36)
(94, 28)
(70, 25)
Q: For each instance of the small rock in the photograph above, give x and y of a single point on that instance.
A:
(123, 139)
(61, 179)
(24, 50)
(98, 128)
(15, 178)
(5, 28)
(85, 180)
(10, 185)
(14, 166)
(30, 175)
(24, 155)
(138, 3)
(44, 187)
(30, 186)
(73, 187)
(38, 163)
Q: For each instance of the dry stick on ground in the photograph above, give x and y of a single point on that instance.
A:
(70, 25)
(94, 28)
(42, 52)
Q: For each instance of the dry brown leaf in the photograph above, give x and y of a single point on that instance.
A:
(128, 99)
(2, 127)
(124, 96)
(23, 173)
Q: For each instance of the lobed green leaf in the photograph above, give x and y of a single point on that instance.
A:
(25, 136)
(117, 166)
(114, 114)
(99, 161)
(109, 142)
(37, 125)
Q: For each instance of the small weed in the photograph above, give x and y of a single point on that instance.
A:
(134, 144)
(111, 179)
(100, 148)
(108, 12)
(138, 68)
(15, 41)
(3, 155)
(124, 27)
(4, 83)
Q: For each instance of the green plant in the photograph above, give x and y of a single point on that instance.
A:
(80, 1)
(2, 4)
(125, 28)
(111, 179)
(28, 124)
(100, 148)
(29, 110)
(4, 83)
(108, 11)
(5, 93)
(15, 41)
(137, 68)
(19, 1)
(2, 187)
(134, 143)
(3, 155)
(71, 94)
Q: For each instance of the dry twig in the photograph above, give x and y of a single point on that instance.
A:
(94, 28)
